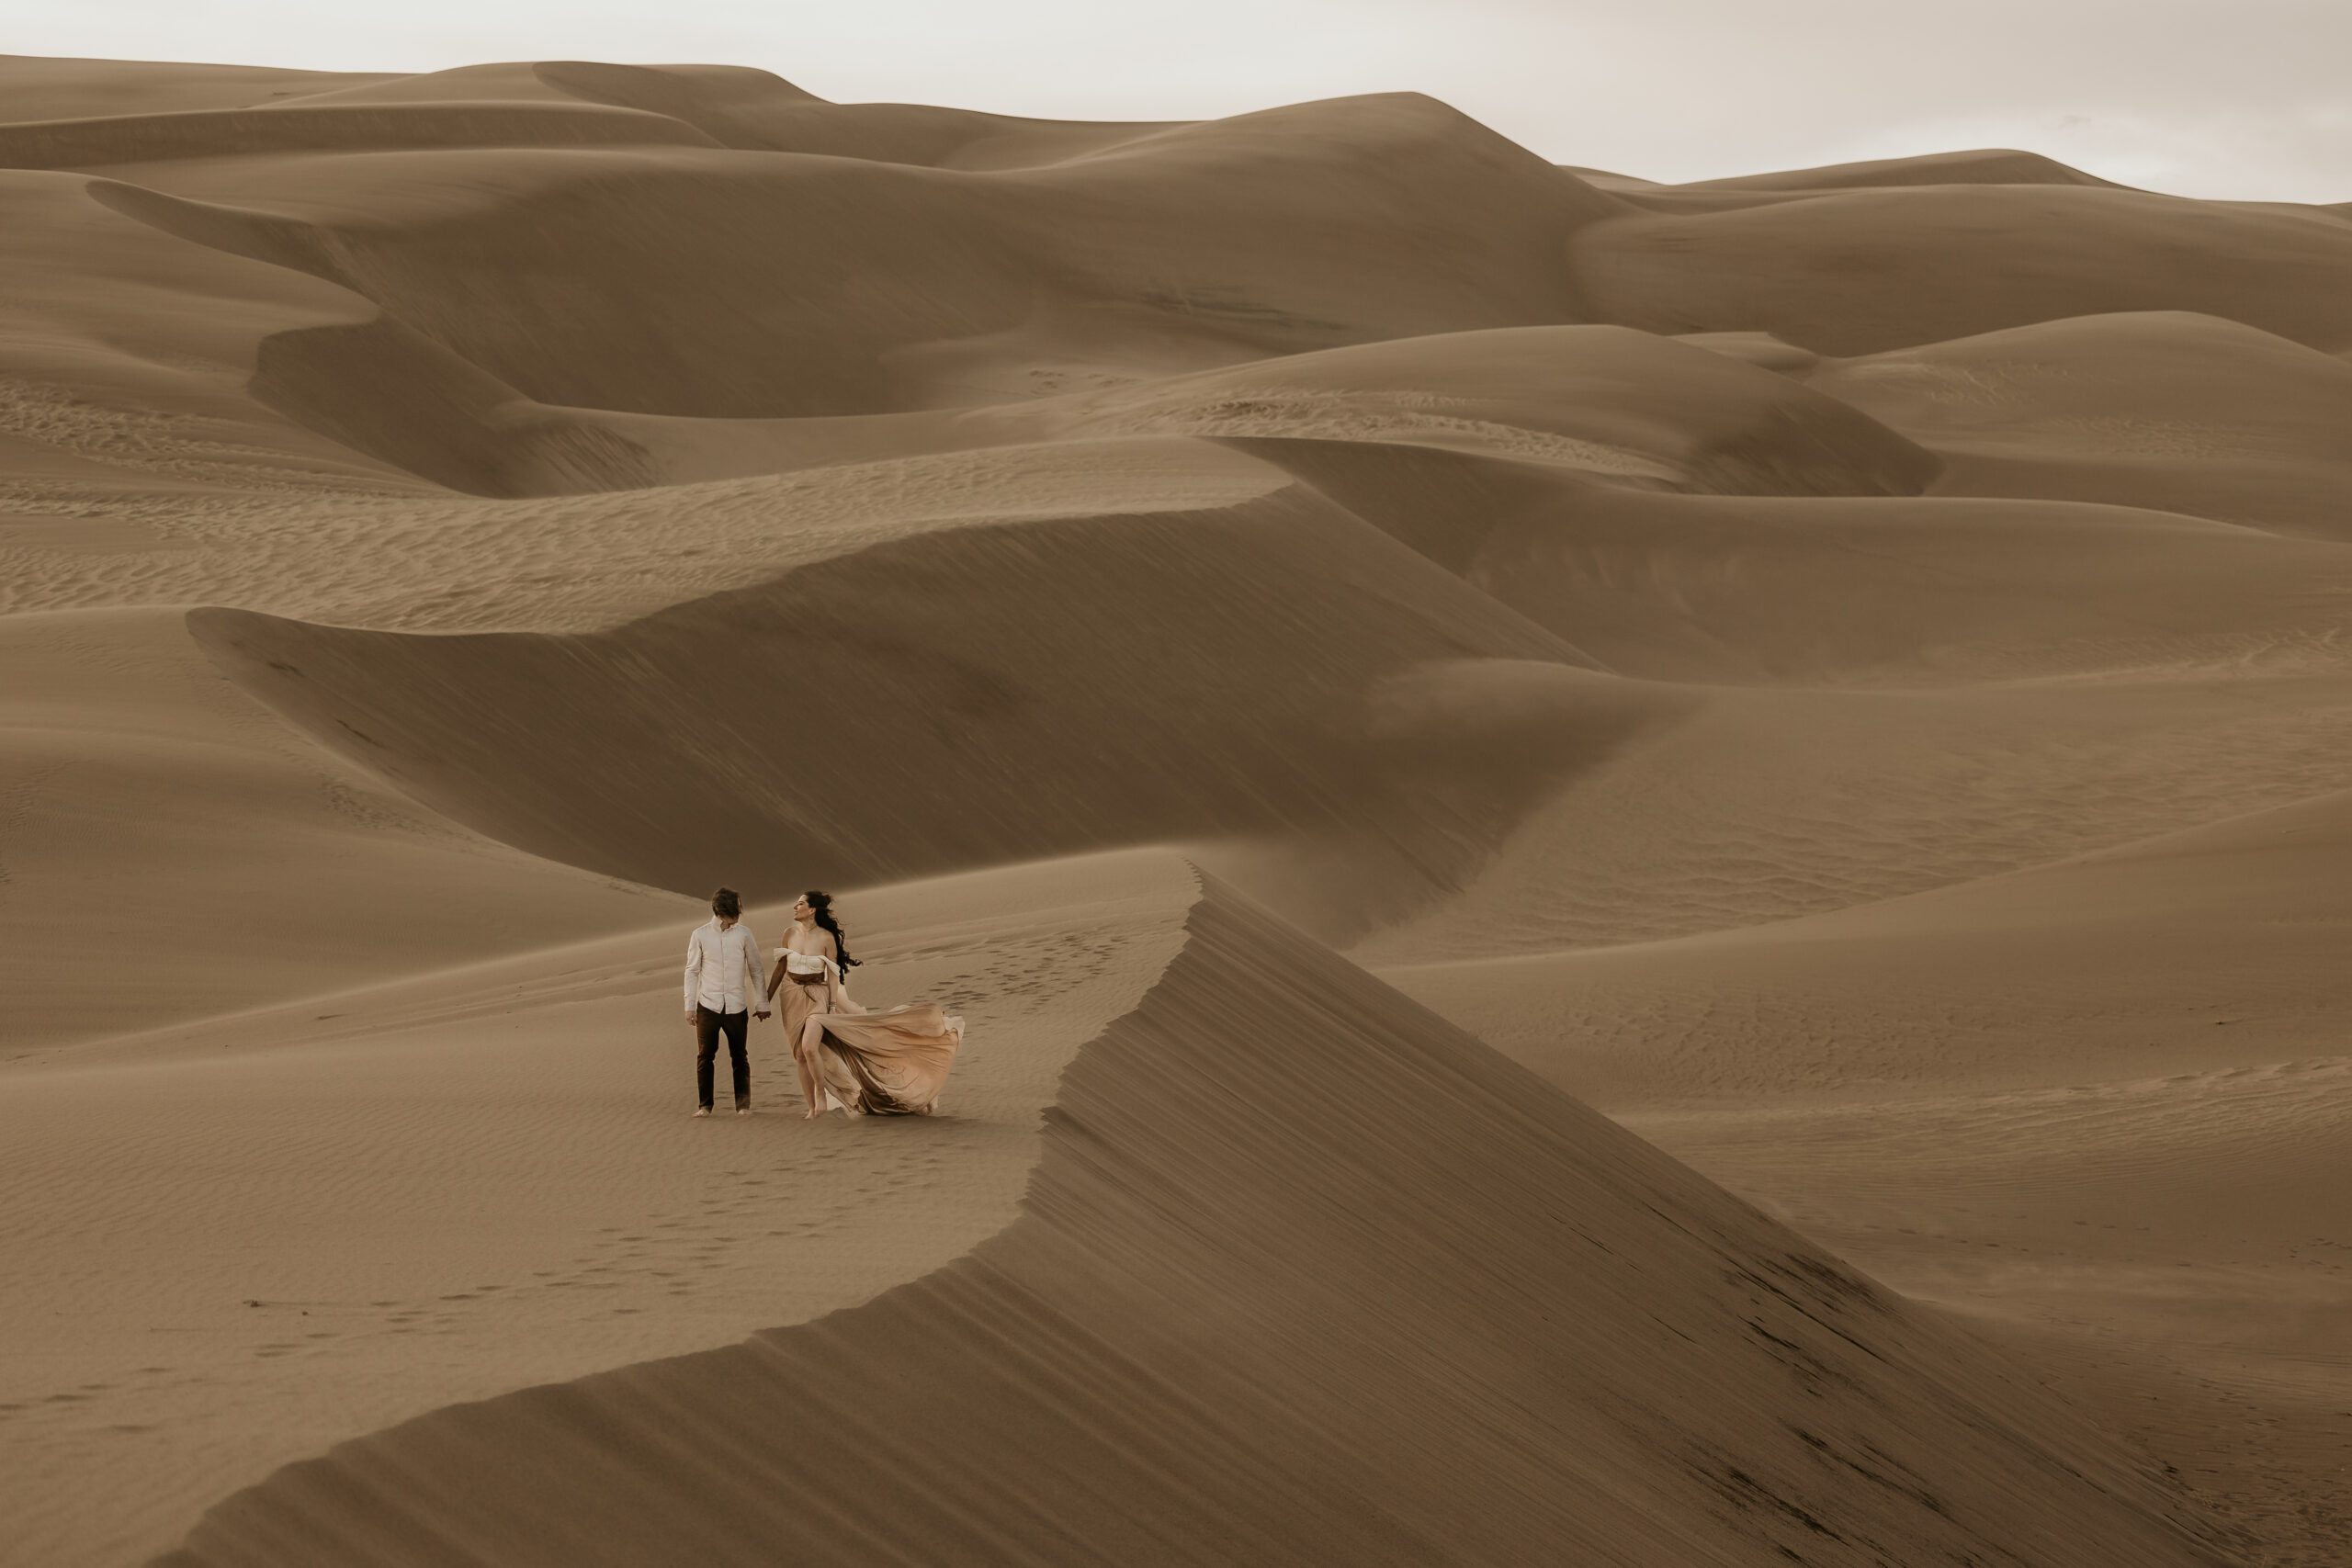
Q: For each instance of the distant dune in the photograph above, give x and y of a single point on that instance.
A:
(1323, 635)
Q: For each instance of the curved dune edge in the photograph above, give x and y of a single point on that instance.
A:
(480, 1176)
(1303, 1274)
(1071, 685)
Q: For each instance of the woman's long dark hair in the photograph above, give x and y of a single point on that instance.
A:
(821, 910)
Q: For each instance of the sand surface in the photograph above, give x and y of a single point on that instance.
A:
(1640, 873)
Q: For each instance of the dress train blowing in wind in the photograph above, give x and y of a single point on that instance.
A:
(892, 1063)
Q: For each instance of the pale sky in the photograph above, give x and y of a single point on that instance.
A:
(2235, 98)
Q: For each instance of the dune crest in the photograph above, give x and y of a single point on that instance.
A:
(1980, 167)
(1411, 1330)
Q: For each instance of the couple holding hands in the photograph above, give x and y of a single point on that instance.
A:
(868, 1064)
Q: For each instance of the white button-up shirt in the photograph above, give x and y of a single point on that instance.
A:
(723, 969)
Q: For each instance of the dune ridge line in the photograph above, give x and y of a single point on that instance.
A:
(1200, 1343)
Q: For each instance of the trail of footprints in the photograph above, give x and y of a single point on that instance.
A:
(779, 1193)
(1010, 984)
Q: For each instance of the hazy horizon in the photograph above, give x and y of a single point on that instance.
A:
(2179, 96)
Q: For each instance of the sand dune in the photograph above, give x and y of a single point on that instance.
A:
(2115, 964)
(729, 105)
(126, 352)
(1208, 1338)
(40, 88)
(1721, 590)
(2098, 1104)
(978, 657)
(1865, 271)
(1761, 588)
(1981, 166)
(153, 807)
(1766, 805)
(1624, 407)
(224, 133)
(2175, 412)
(483, 1170)
(754, 110)
(451, 562)
(729, 284)
(1844, 668)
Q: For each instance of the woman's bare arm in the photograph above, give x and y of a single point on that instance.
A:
(840, 997)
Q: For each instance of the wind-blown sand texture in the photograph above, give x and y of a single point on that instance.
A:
(1324, 636)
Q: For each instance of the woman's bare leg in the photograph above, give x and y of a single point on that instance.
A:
(794, 1015)
(804, 1053)
(811, 1091)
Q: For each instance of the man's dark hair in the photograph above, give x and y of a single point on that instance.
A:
(726, 904)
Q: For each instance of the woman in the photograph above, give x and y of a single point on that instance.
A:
(869, 1064)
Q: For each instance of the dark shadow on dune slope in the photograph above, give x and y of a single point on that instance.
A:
(1442, 505)
(982, 694)
(1304, 1275)
(380, 389)
(1764, 588)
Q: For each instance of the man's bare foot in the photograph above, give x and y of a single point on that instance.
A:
(704, 1110)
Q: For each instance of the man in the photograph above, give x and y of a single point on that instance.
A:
(723, 981)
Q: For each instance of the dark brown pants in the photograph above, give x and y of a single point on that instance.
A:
(709, 1027)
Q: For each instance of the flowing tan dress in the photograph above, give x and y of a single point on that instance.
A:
(871, 1063)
